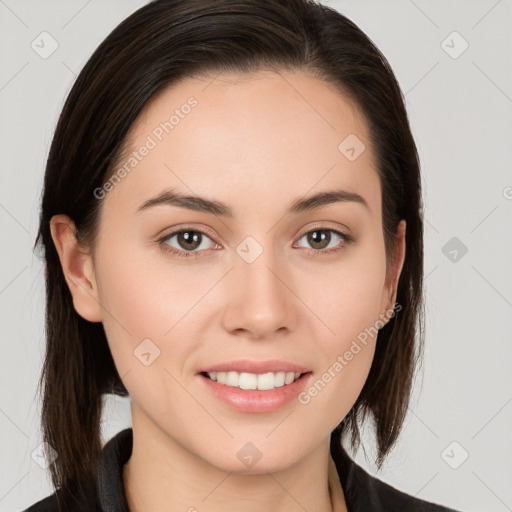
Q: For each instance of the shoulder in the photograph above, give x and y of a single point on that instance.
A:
(52, 504)
(99, 492)
(365, 492)
(82, 499)
(48, 504)
(385, 497)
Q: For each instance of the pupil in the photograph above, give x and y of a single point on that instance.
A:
(318, 237)
(188, 240)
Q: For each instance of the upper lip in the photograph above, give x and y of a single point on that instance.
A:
(248, 366)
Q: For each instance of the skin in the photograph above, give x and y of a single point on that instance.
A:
(255, 142)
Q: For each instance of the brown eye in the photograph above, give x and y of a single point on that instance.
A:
(319, 239)
(325, 240)
(188, 242)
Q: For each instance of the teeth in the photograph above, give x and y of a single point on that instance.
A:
(262, 381)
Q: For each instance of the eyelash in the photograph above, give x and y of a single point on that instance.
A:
(345, 237)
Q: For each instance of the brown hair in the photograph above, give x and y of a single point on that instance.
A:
(155, 47)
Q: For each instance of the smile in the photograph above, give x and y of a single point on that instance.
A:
(262, 382)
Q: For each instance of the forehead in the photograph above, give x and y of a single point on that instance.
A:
(265, 135)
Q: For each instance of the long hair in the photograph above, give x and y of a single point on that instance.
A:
(155, 47)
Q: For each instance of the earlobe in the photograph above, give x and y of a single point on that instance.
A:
(77, 266)
(393, 273)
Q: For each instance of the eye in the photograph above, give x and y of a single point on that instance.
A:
(188, 240)
(323, 241)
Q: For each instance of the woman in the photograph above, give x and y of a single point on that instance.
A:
(233, 238)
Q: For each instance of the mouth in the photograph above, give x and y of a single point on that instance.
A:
(248, 385)
(255, 381)
(255, 392)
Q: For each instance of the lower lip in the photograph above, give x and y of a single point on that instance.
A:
(255, 400)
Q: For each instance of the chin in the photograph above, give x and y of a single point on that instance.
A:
(249, 460)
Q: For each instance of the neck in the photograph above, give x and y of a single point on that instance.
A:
(162, 474)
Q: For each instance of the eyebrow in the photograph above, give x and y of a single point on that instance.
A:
(201, 204)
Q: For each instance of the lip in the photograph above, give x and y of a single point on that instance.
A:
(248, 366)
(255, 400)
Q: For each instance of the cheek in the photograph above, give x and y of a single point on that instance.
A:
(347, 295)
(146, 298)
(147, 315)
(332, 393)
(142, 294)
(348, 310)
(346, 299)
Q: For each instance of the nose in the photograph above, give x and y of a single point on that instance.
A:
(260, 298)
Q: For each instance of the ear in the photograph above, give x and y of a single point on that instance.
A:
(77, 267)
(393, 272)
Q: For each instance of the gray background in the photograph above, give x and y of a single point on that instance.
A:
(460, 106)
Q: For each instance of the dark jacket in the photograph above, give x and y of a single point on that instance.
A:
(363, 493)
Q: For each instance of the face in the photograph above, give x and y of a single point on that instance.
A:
(247, 279)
